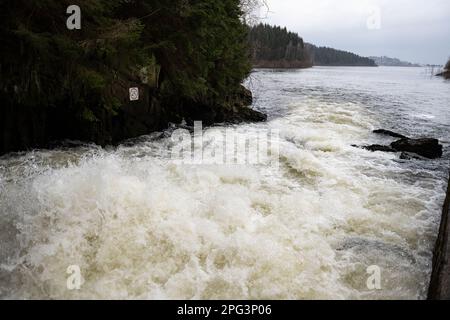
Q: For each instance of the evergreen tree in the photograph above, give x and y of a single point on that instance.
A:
(324, 56)
(273, 45)
(192, 49)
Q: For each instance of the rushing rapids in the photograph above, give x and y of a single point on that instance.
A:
(140, 225)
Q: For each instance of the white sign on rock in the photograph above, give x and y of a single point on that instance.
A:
(134, 94)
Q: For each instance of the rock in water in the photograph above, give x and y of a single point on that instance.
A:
(426, 147)
(246, 96)
(377, 147)
(390, 133)
(410, 156)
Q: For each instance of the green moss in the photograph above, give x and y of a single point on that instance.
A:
(93, 80)
(89, 116)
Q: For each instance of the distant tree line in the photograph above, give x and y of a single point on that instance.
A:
(324, 56)
(392, 62)
(273, 46)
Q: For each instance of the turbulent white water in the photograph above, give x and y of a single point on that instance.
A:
(141, 226)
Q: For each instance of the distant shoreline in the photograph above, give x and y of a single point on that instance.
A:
(281, 66)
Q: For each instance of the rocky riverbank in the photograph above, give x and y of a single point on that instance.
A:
(445, 74)
(59, 82)
(440, 279)
(24, 128)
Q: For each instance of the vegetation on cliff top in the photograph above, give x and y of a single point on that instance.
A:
(193, 50)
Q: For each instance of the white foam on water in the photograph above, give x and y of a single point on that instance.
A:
(141, 226)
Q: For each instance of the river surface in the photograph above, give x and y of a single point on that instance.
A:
(140, 225)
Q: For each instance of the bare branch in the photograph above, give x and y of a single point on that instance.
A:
(252, 10)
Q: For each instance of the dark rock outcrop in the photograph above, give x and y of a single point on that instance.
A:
(377, 147)
(24, 128)
(445, 74)
(440, 279)
(236, 110)
(410, 148)
(389, 133)
(410, 156)
(245, 96)
(425, 147)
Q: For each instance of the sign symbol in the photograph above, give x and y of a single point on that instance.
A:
(134, 94)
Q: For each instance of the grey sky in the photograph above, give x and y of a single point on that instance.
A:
(412, 30)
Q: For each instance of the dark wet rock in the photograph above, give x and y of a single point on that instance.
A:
(410, 156)
(377, 147)
(246, 96)
(445, 74)
(410, 148)
(389, 133)
(425, 147)
(237, 110)
(247, 114)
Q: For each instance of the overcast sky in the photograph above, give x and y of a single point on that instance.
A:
(412, 30)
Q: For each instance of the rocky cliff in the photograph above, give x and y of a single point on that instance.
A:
(187, 59)
(24, 127)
